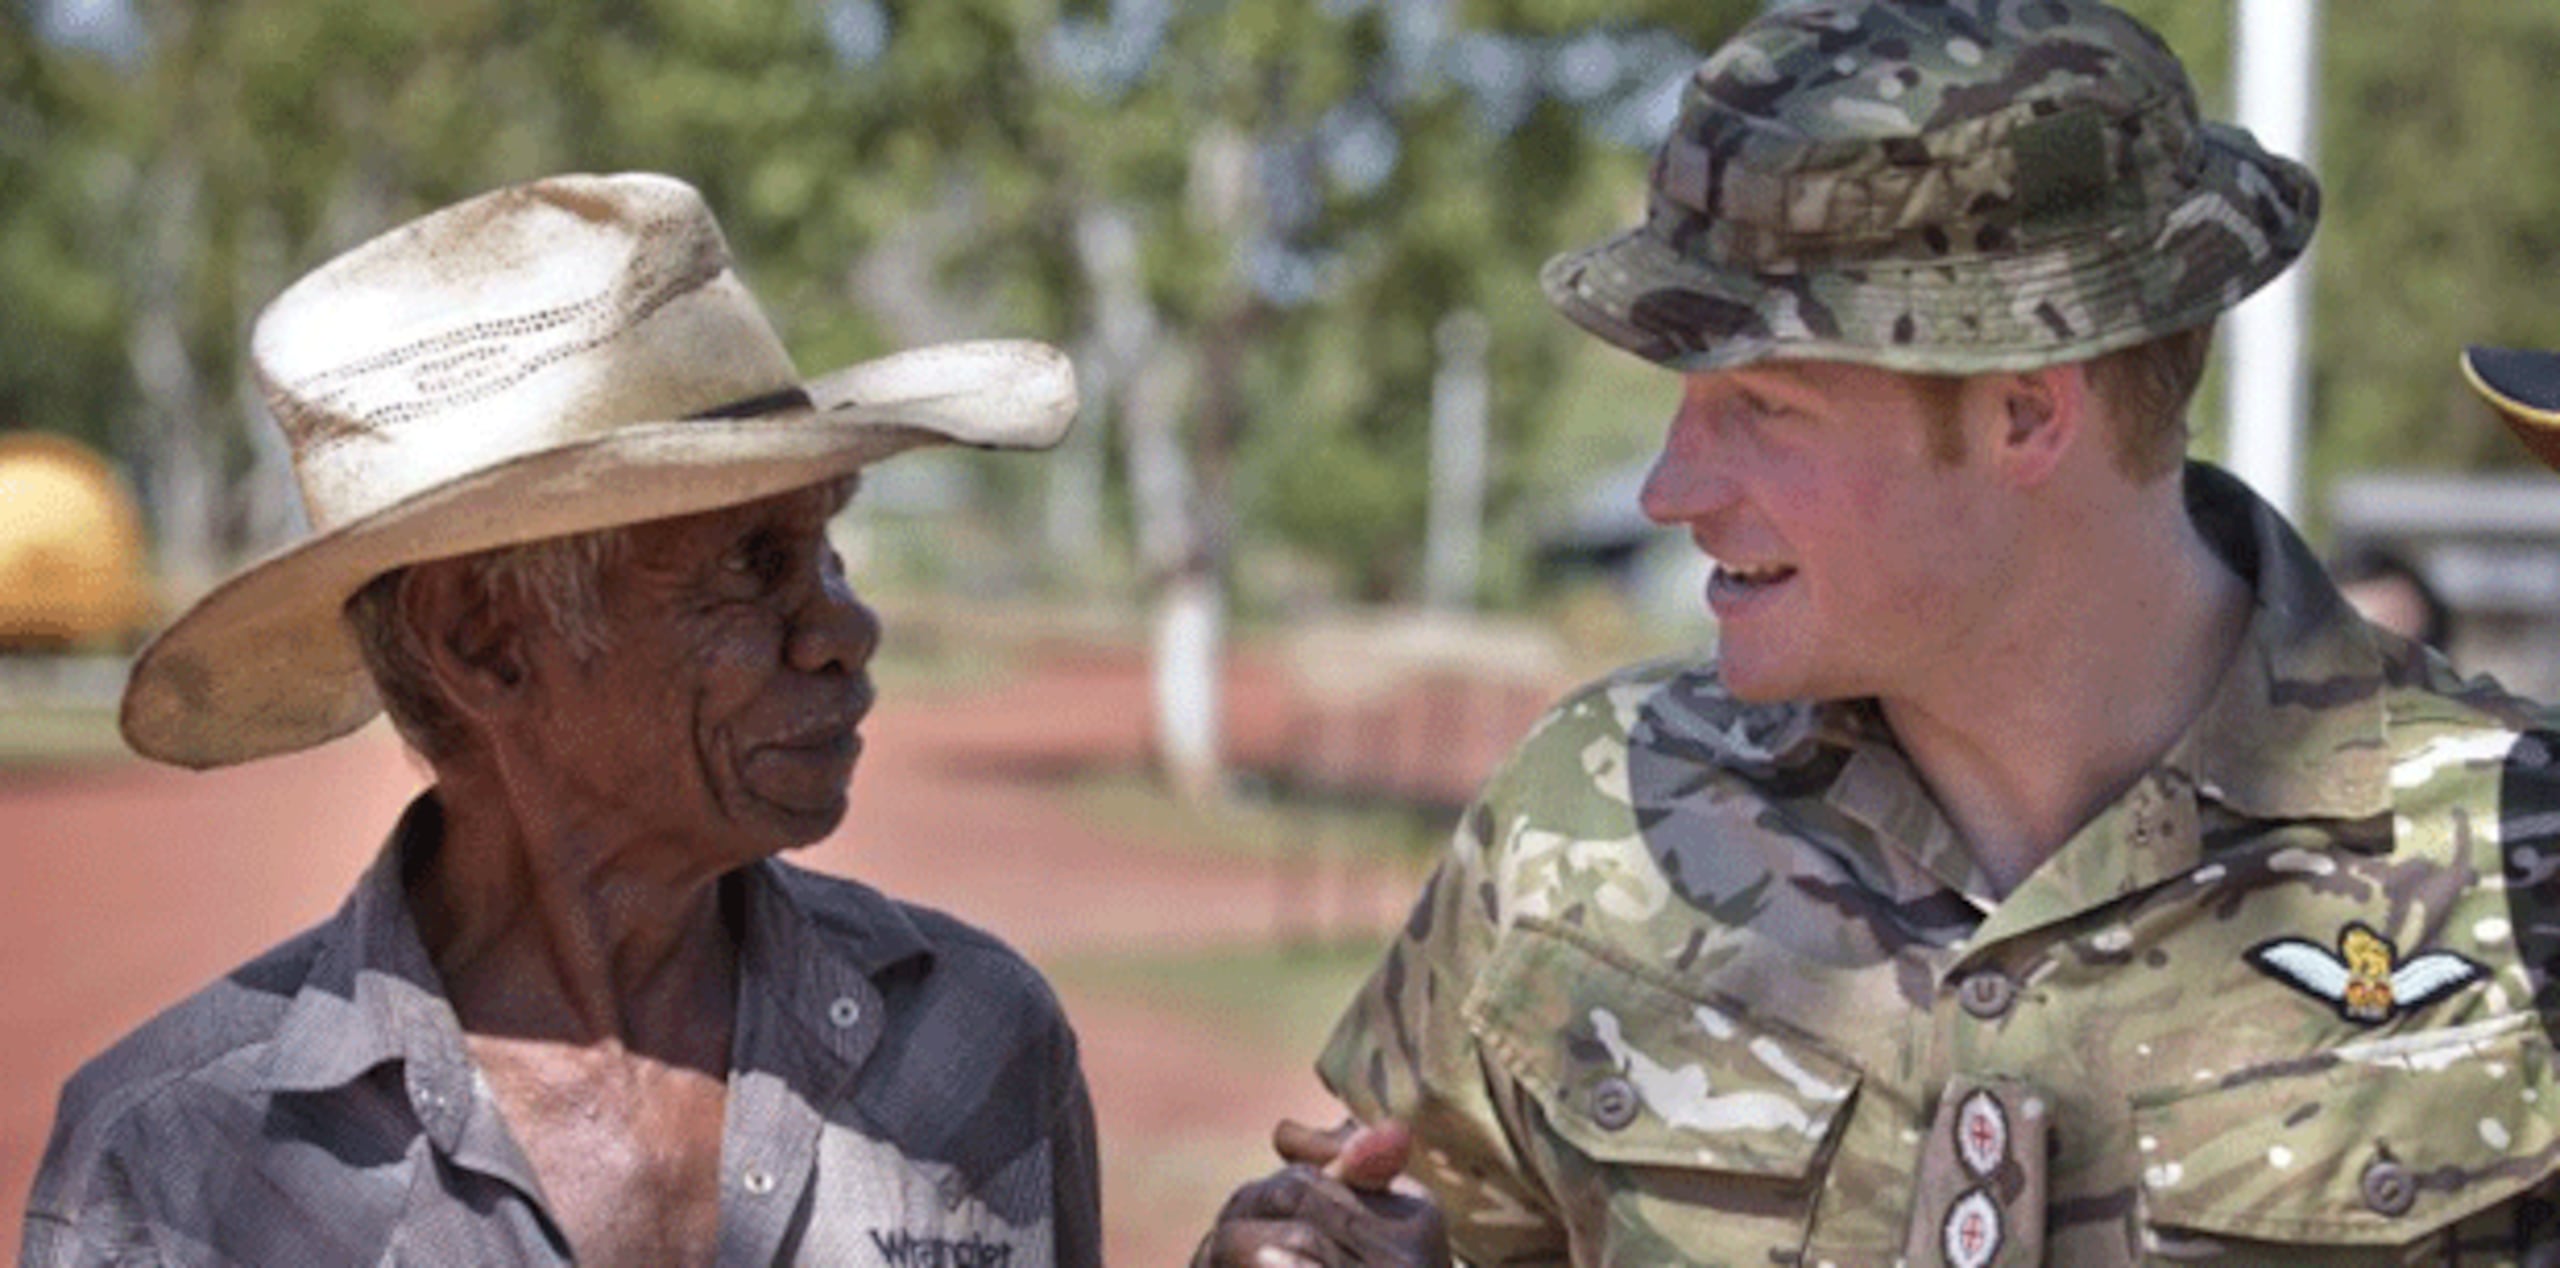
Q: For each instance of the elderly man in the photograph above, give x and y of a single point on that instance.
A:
(2047, 866)
(570, 503)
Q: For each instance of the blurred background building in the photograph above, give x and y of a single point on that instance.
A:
(73, 574)
(2488, 546)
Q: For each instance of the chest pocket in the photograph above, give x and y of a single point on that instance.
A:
(1678, 1130)
(2372, 1145)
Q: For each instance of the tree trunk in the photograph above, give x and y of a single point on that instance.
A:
(181, 469)
(1183, 584)
(267, 500)
(1151, 378)
(1073, 514)
(1454, 533)
(1187, 632)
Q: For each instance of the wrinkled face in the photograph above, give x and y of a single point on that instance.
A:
(1850, 561)
(726, 703)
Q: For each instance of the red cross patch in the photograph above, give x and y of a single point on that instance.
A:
(1972, 1233)
(1982, 1133)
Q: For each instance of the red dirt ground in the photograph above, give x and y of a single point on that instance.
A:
(127, 885)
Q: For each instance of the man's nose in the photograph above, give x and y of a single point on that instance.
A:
(835, 630)
(1691, 478)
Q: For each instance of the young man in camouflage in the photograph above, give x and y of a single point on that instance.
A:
(2047, 866)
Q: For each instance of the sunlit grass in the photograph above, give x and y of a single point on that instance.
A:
(1269, 997)
(1261, 820)
(1269, 1009)
(47, 736)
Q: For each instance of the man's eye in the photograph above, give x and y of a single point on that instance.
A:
(758, 557)
(1763, 409)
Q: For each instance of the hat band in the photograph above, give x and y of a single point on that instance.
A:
(789, 398)
(1989, 185)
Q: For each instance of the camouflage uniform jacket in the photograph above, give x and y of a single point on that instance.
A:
(1705, 982)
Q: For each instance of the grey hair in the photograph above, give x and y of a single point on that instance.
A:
(559, 579)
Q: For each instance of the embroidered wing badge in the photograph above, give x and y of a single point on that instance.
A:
(2365, 978)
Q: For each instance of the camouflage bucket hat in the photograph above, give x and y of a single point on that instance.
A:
(1943, 188)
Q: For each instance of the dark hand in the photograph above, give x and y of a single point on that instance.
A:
(1331, 1207)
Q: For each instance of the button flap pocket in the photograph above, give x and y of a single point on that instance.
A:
(1633, 1067)
(2374, 1143)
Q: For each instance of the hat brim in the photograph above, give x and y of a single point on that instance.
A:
(2249, 216)
(2523, 385)
(265, 663)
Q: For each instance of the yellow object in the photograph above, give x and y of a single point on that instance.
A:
(71, 549)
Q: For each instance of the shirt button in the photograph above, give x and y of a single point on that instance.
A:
(1613, 1103)
(845, 1011)
(758, 1183)
(1988, 994)
(2389, 1188)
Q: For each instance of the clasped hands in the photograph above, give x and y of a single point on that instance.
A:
(1335, 1204)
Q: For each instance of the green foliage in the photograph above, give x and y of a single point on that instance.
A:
(1269, 997)
(61, 316)
(1704, 23)
(2441, 225)
(245, 141)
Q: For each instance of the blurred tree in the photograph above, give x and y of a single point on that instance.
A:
(163, 191)
(2440, 162)
(62, 165)
(1246, 217)
(1270, 207)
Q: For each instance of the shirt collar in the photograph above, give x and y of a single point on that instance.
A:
(374, 995)
(818, 966)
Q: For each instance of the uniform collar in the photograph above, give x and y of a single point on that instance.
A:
(2294, 729)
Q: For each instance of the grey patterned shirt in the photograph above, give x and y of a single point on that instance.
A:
(903, 1090)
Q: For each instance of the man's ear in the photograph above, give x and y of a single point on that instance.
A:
(2039, 415)
(474, 645)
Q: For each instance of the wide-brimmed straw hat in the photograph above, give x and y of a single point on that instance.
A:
(1938, 188)
(2523, 385)
(553, 358)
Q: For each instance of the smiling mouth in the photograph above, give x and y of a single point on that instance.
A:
(1737, 582)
